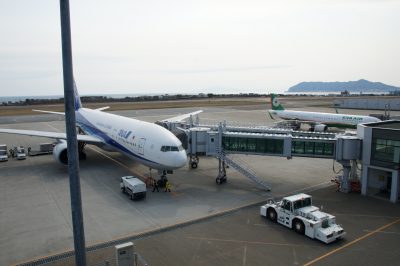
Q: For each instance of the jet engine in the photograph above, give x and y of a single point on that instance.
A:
(60, 152)
(320, 128)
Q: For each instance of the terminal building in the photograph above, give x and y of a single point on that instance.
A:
(392, 103)
(380, 159)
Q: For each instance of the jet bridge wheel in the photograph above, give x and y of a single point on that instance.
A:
(220, 180)
(194, 161)
(298, 226)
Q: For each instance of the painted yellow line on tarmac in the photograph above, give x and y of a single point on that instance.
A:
(352, 242)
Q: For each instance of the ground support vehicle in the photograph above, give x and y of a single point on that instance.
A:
(20, 153)
(3, 153)
(297, 212)
(44, 148)
(133, 186)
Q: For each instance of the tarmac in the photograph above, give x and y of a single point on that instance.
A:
(35, 219)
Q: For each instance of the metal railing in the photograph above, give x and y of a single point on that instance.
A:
(242, 167)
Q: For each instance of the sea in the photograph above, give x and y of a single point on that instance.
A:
(14, 99)
(335, 93)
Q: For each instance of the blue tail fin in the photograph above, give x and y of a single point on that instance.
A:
(78, 103)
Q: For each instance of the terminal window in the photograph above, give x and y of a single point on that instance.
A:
(385, 152)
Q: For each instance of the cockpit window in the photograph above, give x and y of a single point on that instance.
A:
(171, 148)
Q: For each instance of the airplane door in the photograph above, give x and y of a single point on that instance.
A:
(141, 143)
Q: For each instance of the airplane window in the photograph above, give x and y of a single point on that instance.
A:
(171, 148)
(165, 148)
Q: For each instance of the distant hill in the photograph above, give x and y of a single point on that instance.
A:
(361, 85)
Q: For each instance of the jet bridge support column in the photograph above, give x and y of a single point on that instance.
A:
(221, 178)
(347, 149)
(345, 178)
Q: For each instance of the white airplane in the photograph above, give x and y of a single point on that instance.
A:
(148, 143)
(318, 121)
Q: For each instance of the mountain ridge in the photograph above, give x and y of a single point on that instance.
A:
(361, 85)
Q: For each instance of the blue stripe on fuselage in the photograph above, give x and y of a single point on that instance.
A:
(92, 130)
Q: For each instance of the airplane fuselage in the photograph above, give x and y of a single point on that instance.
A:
(147, 143)
(329, 119)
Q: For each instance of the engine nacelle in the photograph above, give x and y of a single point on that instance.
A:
(60, 152)
(320, 128)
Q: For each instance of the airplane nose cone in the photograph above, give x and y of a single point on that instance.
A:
(181, 160)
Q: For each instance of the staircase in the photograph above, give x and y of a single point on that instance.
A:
(242, 167)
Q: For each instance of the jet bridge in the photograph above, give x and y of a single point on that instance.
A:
(223, 142)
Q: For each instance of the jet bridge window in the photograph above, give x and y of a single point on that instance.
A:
(258, 145)
(312, 148)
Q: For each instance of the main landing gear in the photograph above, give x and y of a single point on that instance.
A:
(81, 145)
(82, 154)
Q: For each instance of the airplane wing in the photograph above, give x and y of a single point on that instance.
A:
(181, 117)
(102, 108)
(53, 135)
(48, 112)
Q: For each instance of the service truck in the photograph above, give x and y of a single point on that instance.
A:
(3, 153)
(20, 153)
(297, 212)
(133, 186)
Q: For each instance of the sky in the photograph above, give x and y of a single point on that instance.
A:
(204, 46)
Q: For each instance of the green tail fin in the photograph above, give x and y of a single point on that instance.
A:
(276, 105)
